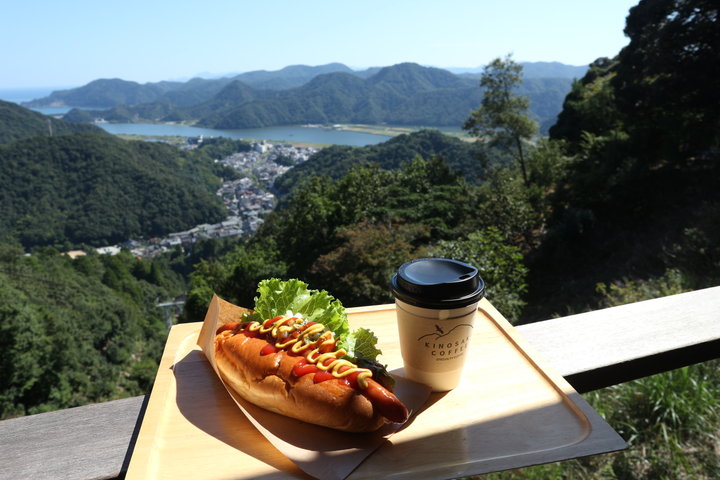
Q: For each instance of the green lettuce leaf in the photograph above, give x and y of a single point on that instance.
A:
(361, 346)
(361, 343)
(277, 296)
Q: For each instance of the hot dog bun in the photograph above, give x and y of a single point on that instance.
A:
(268, 382)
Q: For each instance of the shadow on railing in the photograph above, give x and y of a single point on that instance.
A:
(591, 350)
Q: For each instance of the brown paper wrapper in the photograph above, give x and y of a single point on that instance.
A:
(321, 452)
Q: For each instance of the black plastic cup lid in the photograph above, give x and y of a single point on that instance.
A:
(438, 283)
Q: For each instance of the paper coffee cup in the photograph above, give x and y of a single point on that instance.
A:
(436, 302)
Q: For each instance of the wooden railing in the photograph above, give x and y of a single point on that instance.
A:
(591, 350)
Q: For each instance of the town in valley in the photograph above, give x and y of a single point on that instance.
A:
(247, 199)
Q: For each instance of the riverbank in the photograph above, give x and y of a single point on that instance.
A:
(395, 130)
(378, 133)
(296, 135)
(179, 141)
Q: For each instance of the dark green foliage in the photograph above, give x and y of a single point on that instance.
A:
(220, 147)
(97, 189)
(336, 161)
(506, 203)
(667, 76)
(500, 263)
(367, 254)
(428, 192)
(642, 193)
(17, 122)
(234, 276)
(78, 331)
(424, 192)
(348, 236)
(590, 106)
(661, 89)
(502, 118)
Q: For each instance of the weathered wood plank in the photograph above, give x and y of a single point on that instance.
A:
(90, 442)
(591, 350)
(614, 345)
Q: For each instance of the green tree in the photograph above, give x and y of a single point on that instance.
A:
(233, 276)
(346, 235)
(667, 78)
(505, 203)
(428, 192)
(500, 264)
(502, 116)
(77, 331)
(548, 164)
(590, 106)
(358, 271)
(305, 227)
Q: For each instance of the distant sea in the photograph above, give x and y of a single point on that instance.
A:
(278, 134)
(18, 95)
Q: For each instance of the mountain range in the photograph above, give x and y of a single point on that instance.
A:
(402, 94)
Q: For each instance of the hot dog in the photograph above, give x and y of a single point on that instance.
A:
(300, 368)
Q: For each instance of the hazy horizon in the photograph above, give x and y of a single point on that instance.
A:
(72, 43)
(23, 94)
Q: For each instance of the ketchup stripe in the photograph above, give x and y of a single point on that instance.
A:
(290, 333)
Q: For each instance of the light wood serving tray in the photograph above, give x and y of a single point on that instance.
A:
(511, 410)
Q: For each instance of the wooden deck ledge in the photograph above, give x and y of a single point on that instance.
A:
(591, 350)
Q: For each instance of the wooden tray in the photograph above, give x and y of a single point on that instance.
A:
(511, 410)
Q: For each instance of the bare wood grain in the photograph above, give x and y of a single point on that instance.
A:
(90, 442)
(614, 345)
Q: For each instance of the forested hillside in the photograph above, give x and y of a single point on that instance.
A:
(349, 235)
(336, 161)
(98, 189)
(17, 122)
(78, 331)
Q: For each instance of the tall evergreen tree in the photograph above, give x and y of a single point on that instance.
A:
(502, 116)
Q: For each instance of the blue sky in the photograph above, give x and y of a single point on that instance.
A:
(72, 42)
